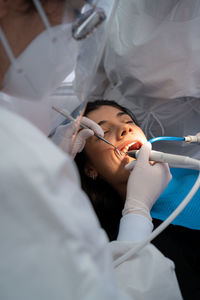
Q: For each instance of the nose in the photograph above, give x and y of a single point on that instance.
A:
(124, 130)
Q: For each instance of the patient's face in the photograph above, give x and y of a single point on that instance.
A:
(121, 131)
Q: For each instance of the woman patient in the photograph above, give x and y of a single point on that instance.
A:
(102, 170)
(104, 179)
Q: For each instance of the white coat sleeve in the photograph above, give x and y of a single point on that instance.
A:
(134, 228)
(146, 275)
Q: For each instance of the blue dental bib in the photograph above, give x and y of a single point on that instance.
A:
(180, 185)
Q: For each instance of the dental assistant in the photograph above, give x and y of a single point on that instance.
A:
(52, 246)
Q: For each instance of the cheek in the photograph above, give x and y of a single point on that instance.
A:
(111, 169)
(94, 150)
(107, 164)
(103, 159)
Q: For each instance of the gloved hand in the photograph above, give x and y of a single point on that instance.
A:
(145, 184)
(64, 135)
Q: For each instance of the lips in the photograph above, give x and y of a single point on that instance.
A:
(130, 145)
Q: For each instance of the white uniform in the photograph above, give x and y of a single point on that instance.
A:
(151, 65)
(52, 246)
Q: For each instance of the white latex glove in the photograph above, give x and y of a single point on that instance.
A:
(145, 184)
(64, 135)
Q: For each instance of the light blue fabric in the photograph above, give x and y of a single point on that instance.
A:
(181, 183)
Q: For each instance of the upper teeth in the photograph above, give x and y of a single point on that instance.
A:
(125, 149)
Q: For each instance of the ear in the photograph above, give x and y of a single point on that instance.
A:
(90, 171)
(3, 8)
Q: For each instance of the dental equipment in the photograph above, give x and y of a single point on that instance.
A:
(69, 117)
(88, 21)
(188, 139)
(175, 161)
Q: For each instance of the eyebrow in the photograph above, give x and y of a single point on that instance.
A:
(119, 114)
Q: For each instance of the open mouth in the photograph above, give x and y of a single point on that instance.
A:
(136, 145)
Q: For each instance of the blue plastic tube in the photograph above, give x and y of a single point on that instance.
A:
(166, 138)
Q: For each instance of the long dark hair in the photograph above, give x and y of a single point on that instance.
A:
(106, 201)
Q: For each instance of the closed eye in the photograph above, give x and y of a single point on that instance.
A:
(105, 132)
(130, 122)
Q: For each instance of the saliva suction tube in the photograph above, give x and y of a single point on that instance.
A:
(184, 162)
(176, 161)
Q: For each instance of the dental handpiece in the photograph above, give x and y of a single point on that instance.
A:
(69, 117)
(175, 161)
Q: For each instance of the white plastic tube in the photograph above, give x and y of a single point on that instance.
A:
(175, 161)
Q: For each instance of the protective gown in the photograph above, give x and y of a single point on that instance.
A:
(52, 246)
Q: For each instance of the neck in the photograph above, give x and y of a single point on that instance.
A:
(121, 189)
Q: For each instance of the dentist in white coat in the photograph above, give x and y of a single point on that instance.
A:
(52, 246)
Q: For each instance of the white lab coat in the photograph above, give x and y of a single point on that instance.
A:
(52, 246)
(144, 284)
(151, 65)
